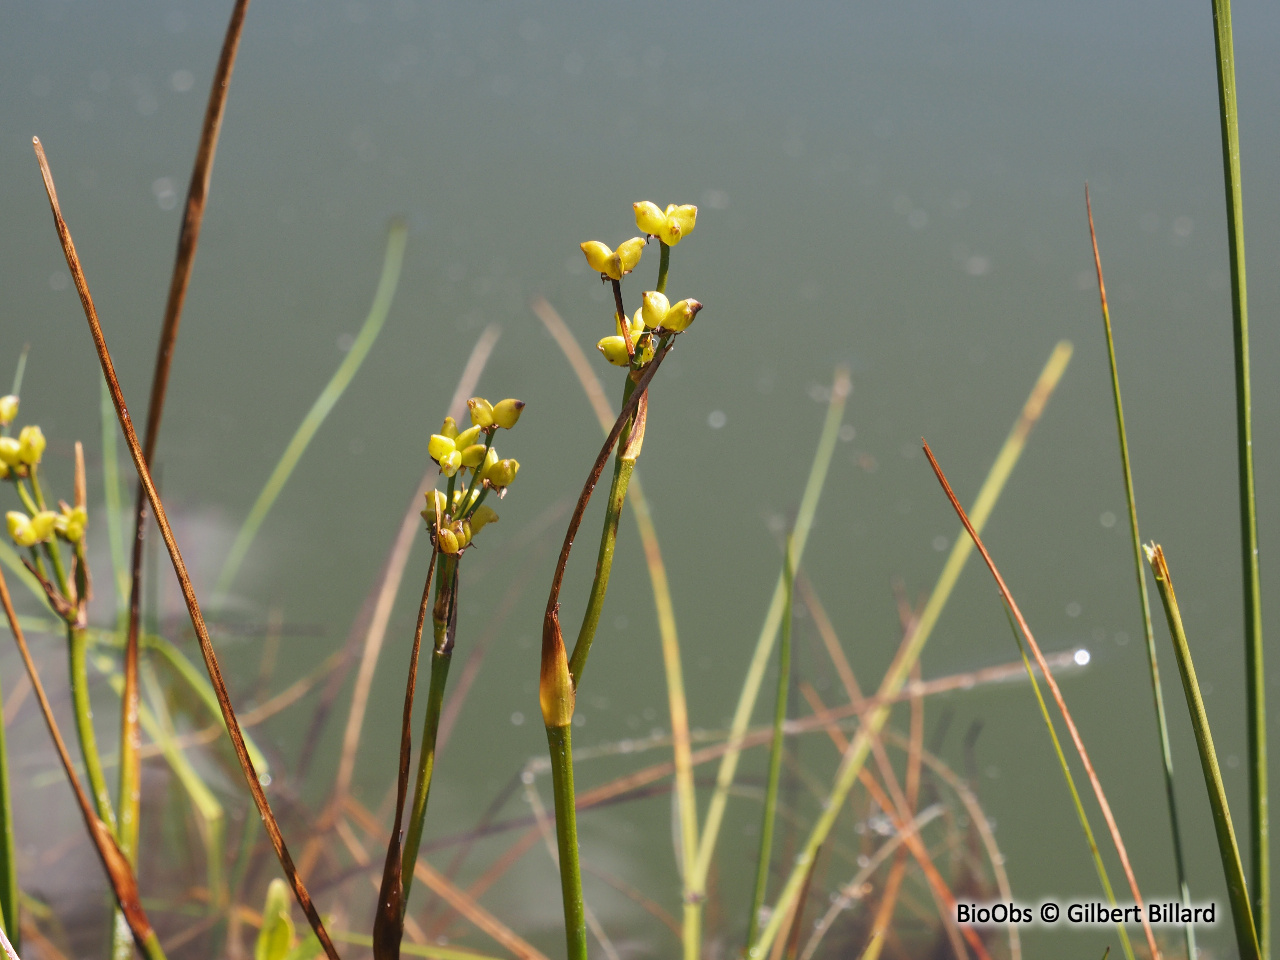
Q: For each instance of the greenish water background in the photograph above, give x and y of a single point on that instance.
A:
(898, 189)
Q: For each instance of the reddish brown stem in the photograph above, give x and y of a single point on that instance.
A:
(179, 566)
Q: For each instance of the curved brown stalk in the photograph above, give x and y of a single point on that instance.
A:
(1057, 696)
(119, 873)
(179, 566)
(188, 238)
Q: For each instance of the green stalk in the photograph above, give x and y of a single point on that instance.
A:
(1166, 754)
(332, 392)
(8, 851)
(1255, 678)
(623, 466)
(575, 919)
(78, 642)
(1232, 869)
(443, 618)
(664, 266)
(765, 855)
(1071, 786)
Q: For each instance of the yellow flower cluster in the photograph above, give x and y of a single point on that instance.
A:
(454, 518)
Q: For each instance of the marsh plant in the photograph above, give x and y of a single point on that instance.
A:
(889, 804)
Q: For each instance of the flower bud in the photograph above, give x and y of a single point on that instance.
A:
(615, 351)
(31, 444)
(481, 412)
(483, 516)
(655, 309)
(447, 541)
(9, 449)
(440, 446)
(501, 473)
(556, 695)
(450, 463)
(8, 409)
(450, 428)
(681, 315)
(490, 459)
(466, 438)
(20, 529)
(507, 412)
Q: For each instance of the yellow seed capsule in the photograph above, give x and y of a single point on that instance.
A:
(649, 217)
(440, 446)
(615, 351)
(450, 428)
(8, 409)
(681, 315)
(20, 528)
(481, 412)
(473, 455)
(4, 470)
(483, 516)
(459, 507)
(490, 459)
(43, 524)
(598, 256)
(655, 307)
(447, 541)
(31, 444)
(683, 216)
(71, 523)
(436, 500)
(462, 531)
(9, 449)
(466, 438)
(628, 255)
(507, 412)
(644, 350)
(502, 473)
(450, 463)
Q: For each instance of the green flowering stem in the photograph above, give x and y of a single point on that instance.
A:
(444, 621)
(475, 474)
(629, 443)
(664, 265)
(78, 642)
(560, 742)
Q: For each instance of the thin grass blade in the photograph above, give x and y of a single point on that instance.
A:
(896, 677)
(329, 396)
(1058, 699)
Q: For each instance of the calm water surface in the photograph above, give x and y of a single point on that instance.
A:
(898, 190)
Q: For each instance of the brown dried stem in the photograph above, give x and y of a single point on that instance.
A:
(1057, 696)
(188, 238)
(179, 566)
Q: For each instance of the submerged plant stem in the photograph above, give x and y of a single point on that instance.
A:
(1255, 677)
(560, 742)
